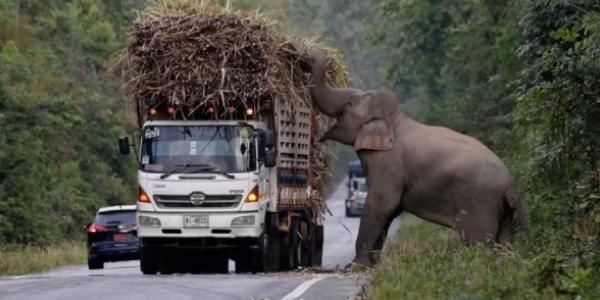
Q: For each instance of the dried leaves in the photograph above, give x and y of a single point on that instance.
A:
(197, 55)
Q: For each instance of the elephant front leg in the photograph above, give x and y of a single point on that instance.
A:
(374, 223)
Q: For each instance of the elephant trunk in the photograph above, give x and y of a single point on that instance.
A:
(330, 101)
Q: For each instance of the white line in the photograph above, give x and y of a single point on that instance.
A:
(303, 287)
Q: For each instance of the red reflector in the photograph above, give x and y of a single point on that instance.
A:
(96, 228)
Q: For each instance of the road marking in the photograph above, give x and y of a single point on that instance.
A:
(303, 287)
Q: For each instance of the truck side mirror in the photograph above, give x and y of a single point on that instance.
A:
(124, 145)
(270, 158)
(269, 141)
(266, 151)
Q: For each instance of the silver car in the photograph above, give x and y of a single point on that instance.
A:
(356, 198)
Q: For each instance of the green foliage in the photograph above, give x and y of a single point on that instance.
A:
(341, 24)
(38, 259)
(60, 115)
(427, 262)
(453, 63)
(558, 113)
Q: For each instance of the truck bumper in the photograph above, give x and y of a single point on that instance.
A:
(219, 226)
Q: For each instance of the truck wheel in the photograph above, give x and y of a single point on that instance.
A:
(313, 258)
(95, 263)
(258, 260)
(261, 255)
(273, 260)
(289, 248)
(148, 261)
(319, 239)
(217, 264)
(305, 244)
(243, 265)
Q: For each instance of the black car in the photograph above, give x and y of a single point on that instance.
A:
(112, 236)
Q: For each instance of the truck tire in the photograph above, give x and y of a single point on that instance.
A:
(95, 263)
(289, 248)
(260, 259)
(148, 261)
(319, 240)
(273, 254)
(315, 240)
(218, 264)
(305, 244)
(243, 265)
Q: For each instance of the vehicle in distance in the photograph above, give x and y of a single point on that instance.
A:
(357, 189)
(356, 199)
(112, 236)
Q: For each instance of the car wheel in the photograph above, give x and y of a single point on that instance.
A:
(148, 261)
(95, 263)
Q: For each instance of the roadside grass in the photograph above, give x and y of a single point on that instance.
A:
(28, 259)
(426, 261)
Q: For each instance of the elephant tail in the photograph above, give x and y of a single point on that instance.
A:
(513, 220)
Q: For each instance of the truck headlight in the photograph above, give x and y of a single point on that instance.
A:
(243, 221)
(148, 221)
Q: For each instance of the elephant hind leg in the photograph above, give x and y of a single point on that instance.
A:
(508, 226)
(477, 229)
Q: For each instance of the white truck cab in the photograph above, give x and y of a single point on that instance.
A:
(201, 179)
(214, 190)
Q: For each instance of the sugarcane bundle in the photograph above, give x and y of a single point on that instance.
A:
(196, 55)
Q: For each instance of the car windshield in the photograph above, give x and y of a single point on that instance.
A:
(187, 149)
(116, 217)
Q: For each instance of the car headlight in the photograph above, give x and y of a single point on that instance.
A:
(148, 221)
(243, 221)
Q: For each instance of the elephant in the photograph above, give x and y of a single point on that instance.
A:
(432, 172)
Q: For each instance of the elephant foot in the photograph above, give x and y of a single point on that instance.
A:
(358, 264)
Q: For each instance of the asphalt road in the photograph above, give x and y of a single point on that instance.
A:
(123, 280)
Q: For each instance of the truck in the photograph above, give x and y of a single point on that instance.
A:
(213, 189)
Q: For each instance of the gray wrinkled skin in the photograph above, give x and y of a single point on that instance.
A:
(432, 172)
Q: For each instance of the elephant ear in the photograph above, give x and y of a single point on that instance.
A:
(374, 135)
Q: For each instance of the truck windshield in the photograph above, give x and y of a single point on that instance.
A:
(225, 148)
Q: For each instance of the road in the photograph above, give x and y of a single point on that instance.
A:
(123, 280)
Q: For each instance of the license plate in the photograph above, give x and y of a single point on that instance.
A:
(195, 221)
(120, 237)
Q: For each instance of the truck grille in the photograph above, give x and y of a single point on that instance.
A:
(193, 201)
